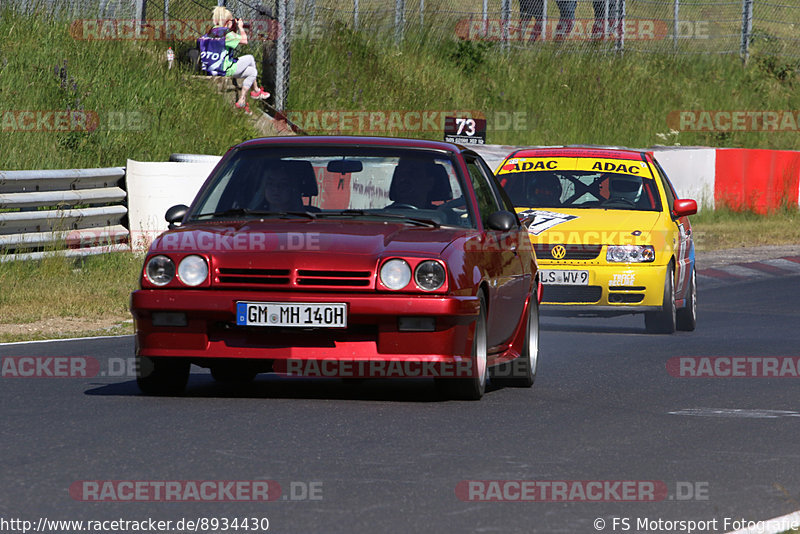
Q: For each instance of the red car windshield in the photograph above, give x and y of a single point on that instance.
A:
(336, 181)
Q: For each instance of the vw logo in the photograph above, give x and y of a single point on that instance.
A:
(558, 252)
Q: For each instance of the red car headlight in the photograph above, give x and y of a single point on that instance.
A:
(160, 270)
(429, 275)
(193, 270)
(395, 274)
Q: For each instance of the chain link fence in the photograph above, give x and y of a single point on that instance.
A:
(735, 27)
(73, 9)
(661, 26)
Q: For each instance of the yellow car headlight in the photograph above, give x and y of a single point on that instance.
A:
(630, 254)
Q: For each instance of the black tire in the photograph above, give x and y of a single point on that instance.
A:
(233, 373)
(474, 387)
(663, 321)
(686, 317)
(521, 373)
(162, 376)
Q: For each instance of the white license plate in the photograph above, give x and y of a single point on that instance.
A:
(564, 277)
(303, 315)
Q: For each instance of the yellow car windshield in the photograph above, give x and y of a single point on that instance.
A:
(581, 189)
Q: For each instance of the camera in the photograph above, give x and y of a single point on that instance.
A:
(237, 25)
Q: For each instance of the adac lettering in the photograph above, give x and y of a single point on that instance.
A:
(613, 167)
(531, 166)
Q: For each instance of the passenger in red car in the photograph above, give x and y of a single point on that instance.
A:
(411, 185)
(281, 191)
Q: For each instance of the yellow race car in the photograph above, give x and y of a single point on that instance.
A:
(610, 234)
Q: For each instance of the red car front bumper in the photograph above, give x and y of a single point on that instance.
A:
(372, 333)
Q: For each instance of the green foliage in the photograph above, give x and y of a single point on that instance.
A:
(723, 227)
(564, 98)
(776, 67)
(96, 286)
(146, 112)
(468, 55)
(137, 108)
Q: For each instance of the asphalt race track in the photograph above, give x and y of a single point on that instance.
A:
(380, 456)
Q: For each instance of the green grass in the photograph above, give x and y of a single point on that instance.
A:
(145, 111)
(69, 295)
(66, 287)
(567, 98)
(724, 228)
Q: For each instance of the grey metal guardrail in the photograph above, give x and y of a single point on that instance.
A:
(77, 211)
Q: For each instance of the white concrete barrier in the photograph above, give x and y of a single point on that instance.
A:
(154, 187)
(692, 171)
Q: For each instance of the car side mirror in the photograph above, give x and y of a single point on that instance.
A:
(502, 221)
(683, 207)
(175, 215)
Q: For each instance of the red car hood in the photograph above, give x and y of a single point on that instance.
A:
(300, 238)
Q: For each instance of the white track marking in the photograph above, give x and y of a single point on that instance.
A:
(739, 270)
(62, 339)
(736, 413)
(781, 263)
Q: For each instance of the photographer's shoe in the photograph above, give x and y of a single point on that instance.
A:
(245, 108)
(261, 94)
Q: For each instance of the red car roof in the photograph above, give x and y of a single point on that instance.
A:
(352, 140)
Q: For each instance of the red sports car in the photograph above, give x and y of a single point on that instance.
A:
(350, 257)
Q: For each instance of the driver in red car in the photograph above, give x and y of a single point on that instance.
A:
(281, 191)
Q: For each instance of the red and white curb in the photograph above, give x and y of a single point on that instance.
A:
(742, 272)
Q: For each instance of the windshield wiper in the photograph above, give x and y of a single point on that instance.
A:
(413, 220)
(234, 212)
(309, 214)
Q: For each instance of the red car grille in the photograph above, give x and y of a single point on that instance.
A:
(573, 252)
(250, 277)
(256, 277)
(333, 278)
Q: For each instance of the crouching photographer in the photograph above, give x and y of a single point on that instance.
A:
(218, 55)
